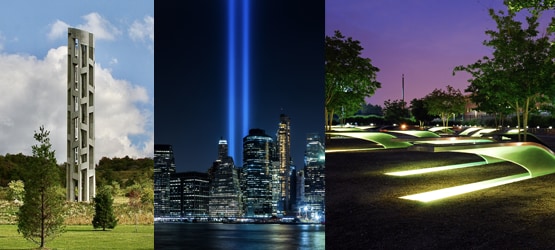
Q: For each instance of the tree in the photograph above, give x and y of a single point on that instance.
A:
(141, 196)
(40, 217)
(349, 77)
(445, 103)
(395, 111)
(521, 72)
(103, 213)
(534, 6)
(16, 190)
(419, 111)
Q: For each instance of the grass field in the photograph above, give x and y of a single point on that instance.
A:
(85, 237)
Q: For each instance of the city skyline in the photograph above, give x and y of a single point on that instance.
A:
(424, 40)
(286, 77)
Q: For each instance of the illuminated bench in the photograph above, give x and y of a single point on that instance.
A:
(537, 159)
(379, 138)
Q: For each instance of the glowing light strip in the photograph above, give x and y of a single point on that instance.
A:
(245, 67)
(351, 150)
(231, 77)
(436, 169)
(458, 190)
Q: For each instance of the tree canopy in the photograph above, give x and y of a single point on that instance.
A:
(520, 72)
(445, 103)
(349, 77)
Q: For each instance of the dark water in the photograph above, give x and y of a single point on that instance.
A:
(238, 236)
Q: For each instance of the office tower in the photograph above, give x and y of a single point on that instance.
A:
(258, 153)
(299, 201)
(164, 166)
(314, 174)
(80, 168)
(225, 193)
(189, 195)
(222, 149)
(283, 136)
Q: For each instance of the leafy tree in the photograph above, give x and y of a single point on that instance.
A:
(369, 109)
(141, 196)
(349, 77)
(16, 190)
(445, 103)
(520, 73)
(419, 111)
(40, 217)
(395, 111)
(103, 213)
(534, 6)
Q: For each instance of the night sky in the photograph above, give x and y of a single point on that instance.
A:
(191, 93)
(422, 39)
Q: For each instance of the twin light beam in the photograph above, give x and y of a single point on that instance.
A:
(238, 84)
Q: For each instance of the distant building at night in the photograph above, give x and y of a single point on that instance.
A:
(189, 194)
(283, 144)
(225, 192)
(256, 178)
(299, 190)
(314, 174)
(164, 167)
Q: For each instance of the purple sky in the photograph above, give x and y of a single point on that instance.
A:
(422, 39)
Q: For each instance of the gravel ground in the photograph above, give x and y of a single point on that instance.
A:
(364, 211)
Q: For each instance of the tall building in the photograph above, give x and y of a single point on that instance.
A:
(314, 174)
(283, 139)
(164, 167)
(80, 170)
(225, 193)
(189, 195)
(258, 154)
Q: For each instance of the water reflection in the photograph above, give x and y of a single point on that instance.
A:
(238, 236)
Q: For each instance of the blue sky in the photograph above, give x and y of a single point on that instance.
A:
(33, 50)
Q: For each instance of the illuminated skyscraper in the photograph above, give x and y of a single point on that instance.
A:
(225, 193)
(314, 174)
(258, 154)
(80, 172)
(189, 195)
(164, 167)
(283, 137)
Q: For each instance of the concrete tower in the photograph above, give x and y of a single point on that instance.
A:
(80, 172)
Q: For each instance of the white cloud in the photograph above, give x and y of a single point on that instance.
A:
(94, 23)
(100, 27)
(58, 29)
(143, 31)
(34, 94)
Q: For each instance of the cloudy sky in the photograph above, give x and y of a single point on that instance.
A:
(33, 78)
(422, 39)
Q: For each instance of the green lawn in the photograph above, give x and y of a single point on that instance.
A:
(85, 237)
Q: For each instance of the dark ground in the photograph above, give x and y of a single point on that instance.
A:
(364, 211)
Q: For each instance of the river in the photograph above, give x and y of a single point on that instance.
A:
(238, 236)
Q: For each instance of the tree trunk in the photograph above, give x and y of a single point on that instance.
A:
(518, 121)
(525, 118)
(42, 220)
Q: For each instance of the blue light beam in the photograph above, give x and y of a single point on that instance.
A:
(231, 77)
(246, 65)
